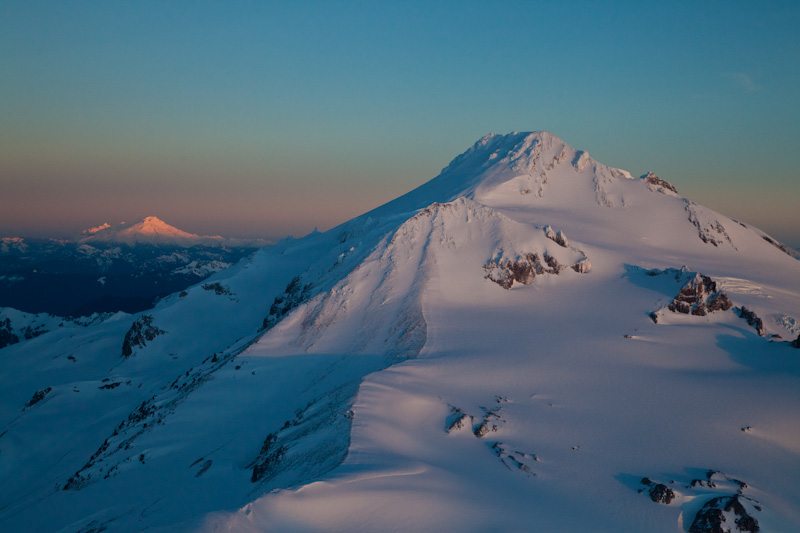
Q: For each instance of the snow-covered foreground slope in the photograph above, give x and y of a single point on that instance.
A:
(515, 345)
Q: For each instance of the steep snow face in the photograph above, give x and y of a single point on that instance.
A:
(477, 354)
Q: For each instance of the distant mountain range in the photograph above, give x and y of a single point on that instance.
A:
(107, 269)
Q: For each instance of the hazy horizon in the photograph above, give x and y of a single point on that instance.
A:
(267, 120)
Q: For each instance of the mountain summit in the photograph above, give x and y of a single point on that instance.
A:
(528, 334)
(535, 163)
(545, 181)
(157, 227)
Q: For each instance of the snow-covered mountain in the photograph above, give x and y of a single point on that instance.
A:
(151, 230)
(530, 341)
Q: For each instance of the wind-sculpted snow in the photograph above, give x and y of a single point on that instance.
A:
(376, 377)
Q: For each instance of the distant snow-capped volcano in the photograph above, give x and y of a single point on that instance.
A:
(109, 268)
(151, 230)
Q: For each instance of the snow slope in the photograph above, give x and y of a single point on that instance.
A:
(495, 350)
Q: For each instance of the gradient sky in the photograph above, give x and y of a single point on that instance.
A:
(270, 118)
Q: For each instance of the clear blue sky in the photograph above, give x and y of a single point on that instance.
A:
(271, 118)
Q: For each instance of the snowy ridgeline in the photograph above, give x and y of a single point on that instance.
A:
(531, 340)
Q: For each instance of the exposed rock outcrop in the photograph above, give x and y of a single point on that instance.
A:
(753, 320)
(7, 335)
(295, 293)
(268, 458)
(524, 269)
(777, 245)
(658, 492)
(583, 266)
(506, 272)
(728, 512)
(37, 397)
(461, 422)
(218, 289)
(658, 184)
(514, 459)
(457, 420)
(489, 422)
(699, 296)
(557, 237)
(712, 517)
(142, 331)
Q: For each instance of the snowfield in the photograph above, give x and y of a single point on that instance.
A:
(531, 341)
